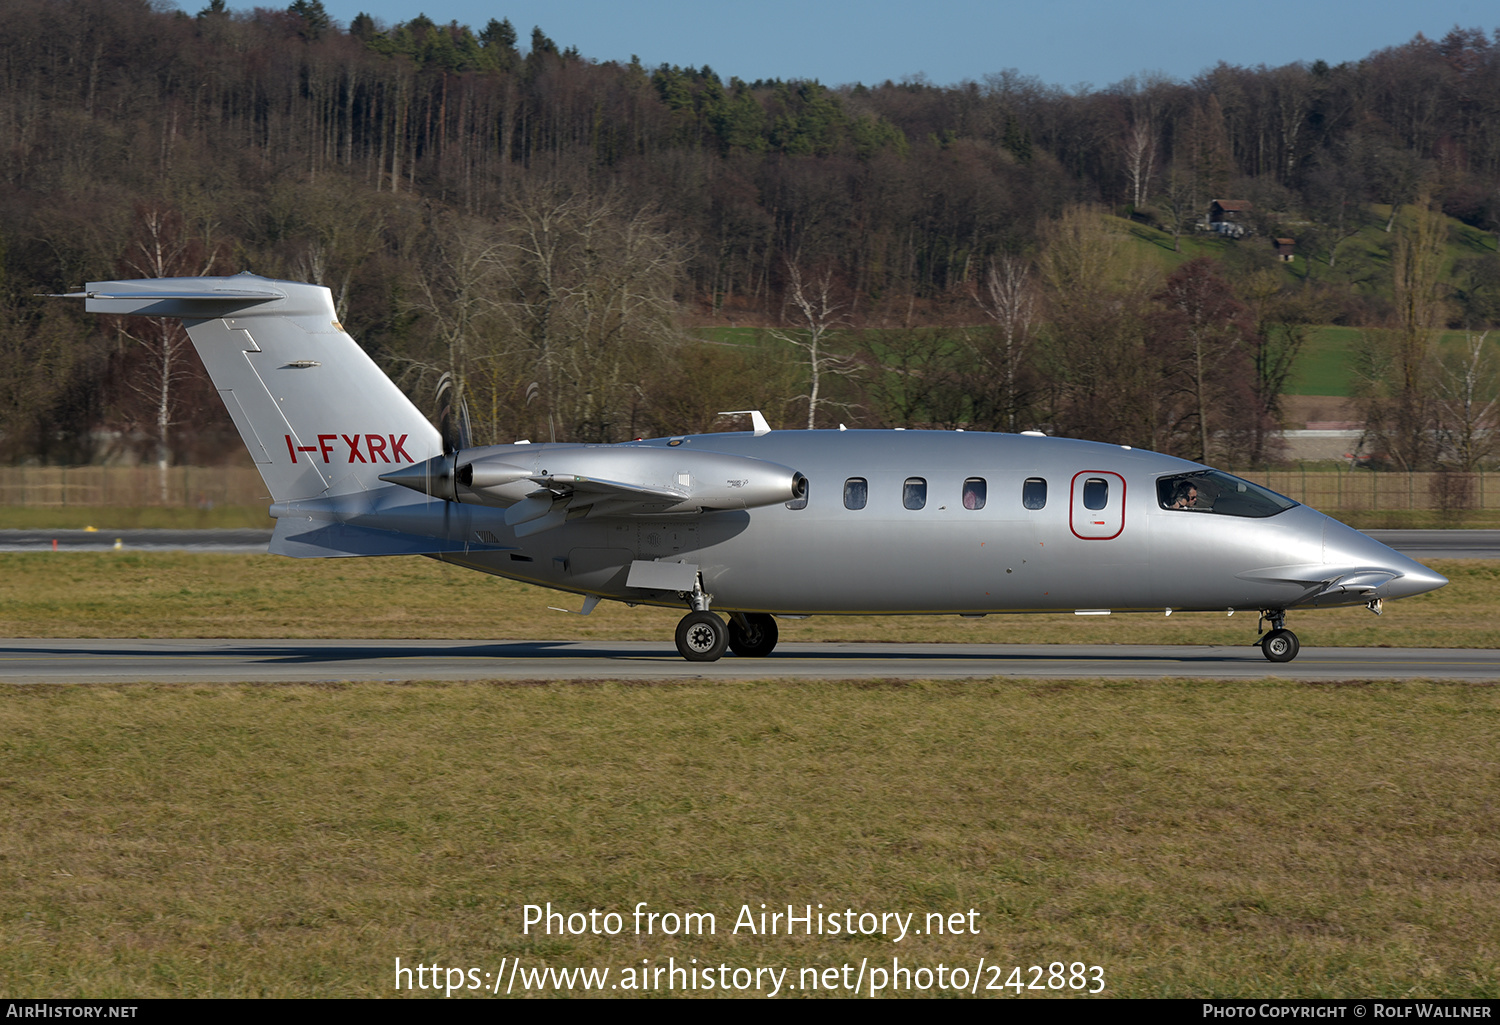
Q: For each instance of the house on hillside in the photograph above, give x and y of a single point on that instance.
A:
(1229, 217)
(1284, 249)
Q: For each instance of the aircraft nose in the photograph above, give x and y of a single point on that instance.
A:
(1414, 579)
(1345, 546)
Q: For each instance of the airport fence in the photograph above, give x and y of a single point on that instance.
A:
(209, 486)
(131, 487)
(1359, 490)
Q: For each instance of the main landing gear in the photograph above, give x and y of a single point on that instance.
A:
(702, 636)
(1280, 645)
(752, 634)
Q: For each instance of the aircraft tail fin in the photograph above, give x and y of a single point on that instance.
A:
(316, 413)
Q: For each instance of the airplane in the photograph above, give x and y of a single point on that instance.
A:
(757, 524)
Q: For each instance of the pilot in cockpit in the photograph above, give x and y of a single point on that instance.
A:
(1186, 495)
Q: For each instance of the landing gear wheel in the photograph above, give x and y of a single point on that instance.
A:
(1280, 646)
(752, 635)
(701, 637)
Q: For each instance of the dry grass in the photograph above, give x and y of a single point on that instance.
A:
(1192, 838)
(126, 594)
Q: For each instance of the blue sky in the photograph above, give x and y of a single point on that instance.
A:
(1065, 43)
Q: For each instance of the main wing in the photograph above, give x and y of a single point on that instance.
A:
(544, 486)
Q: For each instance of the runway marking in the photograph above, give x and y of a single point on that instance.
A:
(208, 660)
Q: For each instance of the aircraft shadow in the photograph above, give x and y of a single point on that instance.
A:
(274, 653)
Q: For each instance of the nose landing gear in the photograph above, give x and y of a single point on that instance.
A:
(1280, 645)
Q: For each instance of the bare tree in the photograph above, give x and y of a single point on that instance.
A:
(164, 248)
(1398, 176)
(1398, 364)
(1182, 205)
(1100, 371)
(38, 356)
(817, 315)
(1468, 401)
(455, 290)
(1139, 148)
(1009, 299)
(1282, 325)
(1335, 190)
(588, 298)
(342, 232)
(1202, 346)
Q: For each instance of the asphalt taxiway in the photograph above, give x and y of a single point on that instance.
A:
(32, 661)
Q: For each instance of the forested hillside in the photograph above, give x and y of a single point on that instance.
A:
(585, 243)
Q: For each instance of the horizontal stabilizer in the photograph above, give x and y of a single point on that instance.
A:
(306, 538)
(169, 298)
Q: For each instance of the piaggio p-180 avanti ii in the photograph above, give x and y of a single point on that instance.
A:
(756, 524)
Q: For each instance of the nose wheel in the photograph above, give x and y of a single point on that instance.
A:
(1280, 645)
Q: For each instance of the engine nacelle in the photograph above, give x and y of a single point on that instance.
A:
(610, 480)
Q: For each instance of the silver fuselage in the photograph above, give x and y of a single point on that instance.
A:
(944, 558)
(894, 521)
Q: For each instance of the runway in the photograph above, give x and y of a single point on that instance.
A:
(146, 539)
(1441, 544)
(33, 661)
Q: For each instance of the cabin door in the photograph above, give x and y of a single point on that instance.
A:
(1097, 505)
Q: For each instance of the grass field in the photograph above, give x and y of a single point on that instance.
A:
(133, 594)
(1190, 838)
(1326, 365)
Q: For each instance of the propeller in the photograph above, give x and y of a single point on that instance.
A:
(453, 427)
(441, 476)
(453, 423)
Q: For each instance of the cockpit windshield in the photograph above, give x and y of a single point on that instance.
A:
(1218, 492)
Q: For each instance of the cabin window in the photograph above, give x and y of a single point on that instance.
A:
(800, 502)
(856, 493)
(974, 489)
(1034, 493)
(1214, 491)
(914, 493)
(1095, 493)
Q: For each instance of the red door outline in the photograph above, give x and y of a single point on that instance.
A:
(1097, 524)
